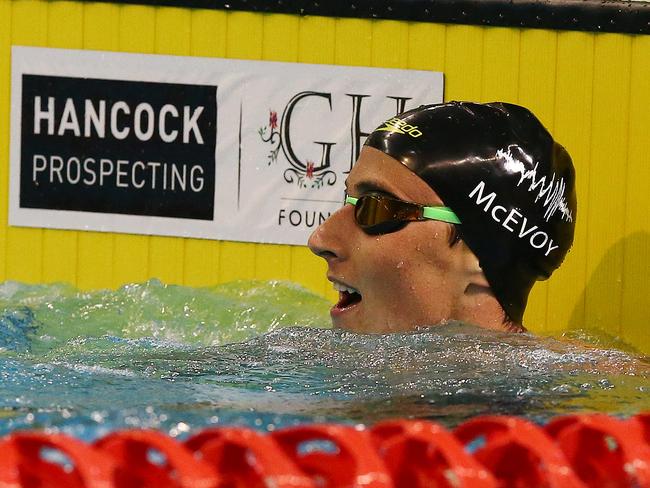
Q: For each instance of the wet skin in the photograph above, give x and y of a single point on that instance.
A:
(408, 278)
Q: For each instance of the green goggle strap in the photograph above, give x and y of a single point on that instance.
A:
(444, 214)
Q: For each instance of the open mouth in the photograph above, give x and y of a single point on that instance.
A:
(348, 297)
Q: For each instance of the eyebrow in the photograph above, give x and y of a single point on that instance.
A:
(365, 187)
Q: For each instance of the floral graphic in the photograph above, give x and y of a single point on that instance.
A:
(273, 119)
(304, 175)
(310, 170)
(273, 137)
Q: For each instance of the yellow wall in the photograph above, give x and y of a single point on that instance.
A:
(591, 90)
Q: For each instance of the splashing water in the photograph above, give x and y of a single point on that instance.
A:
(260, 354)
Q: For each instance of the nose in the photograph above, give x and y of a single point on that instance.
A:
(328, 240)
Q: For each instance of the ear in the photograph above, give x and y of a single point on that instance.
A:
(474, 276)
(477, 305)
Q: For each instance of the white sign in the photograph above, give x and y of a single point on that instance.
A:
(195, 147)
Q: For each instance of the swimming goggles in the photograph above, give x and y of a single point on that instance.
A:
(381, 214)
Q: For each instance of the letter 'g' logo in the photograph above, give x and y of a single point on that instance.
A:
(401, 127)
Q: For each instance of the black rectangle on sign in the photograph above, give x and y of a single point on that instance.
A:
(125, 147)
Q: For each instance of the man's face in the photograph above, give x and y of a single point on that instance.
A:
(404, 279)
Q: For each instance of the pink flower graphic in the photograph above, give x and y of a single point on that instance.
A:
(273, 119)
(310, 170)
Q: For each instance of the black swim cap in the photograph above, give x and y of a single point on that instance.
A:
(501, 172)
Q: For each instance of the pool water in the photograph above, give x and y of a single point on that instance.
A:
(260, 354)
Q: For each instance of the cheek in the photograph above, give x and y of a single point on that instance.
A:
(434, 250)
(422, 258)
(398, 259)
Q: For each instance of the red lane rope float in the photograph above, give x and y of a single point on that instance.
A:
(335, 455)
(150, 458)
(602, 450)
(642, 421)
(518, 453)
(423, 454)
(24, 463)
(245, 458)
(574, 451)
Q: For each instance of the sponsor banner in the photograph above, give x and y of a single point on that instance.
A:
(199, 147)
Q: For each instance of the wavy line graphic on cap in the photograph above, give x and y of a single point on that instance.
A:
(553, 193)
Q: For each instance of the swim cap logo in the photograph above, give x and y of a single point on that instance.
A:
(550, 193)
(401, 127)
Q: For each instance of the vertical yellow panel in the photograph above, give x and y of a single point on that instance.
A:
(167, 254)
(390, 44)
(635, 317)
(500, 65)
(244, 41)
(135, 33)
(202, 258)
(129, 254)
(463, 62)
(280, 43)
(173, 27)
(605, 220)
(101, 26)
(5, 72)
(316, 40)
(95, 260)
(273, 262)
(95, 249)
(130, 260)
(24, 253)
(537, 92)
(244, 35)
(572, 129)
(353, 41)
(537, 77)
(280, 38)
(317, 44)
(309, 270)
(137, 28)
(237, 261)
(208, 33)
(427, 46)
(64, 30)
(64, 24)
(29, 23)
(208, 38)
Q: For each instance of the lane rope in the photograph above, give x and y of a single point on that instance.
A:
(572, 451)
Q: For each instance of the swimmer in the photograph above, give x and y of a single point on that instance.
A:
(452, 212)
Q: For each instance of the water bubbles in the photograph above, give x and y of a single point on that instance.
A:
(98, 416)
(240, 354)
(178, 429)
(605, 384)
(563, 388)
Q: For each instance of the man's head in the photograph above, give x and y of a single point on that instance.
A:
(499, 171)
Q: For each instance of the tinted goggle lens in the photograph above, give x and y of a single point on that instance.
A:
(381, 214)
(377, 214)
